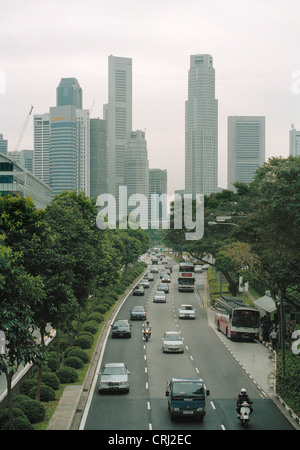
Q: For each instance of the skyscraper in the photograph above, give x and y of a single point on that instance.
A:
(157, 187)
(201, 128)
(246, 148)
(98, 184)
(69, 92)
(41, 147)
(118, 116)
(294, 142)
(3, 145)
(83, 155)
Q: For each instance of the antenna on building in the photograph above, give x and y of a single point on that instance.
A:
(293, 126)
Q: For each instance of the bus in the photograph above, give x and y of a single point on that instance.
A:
(236, 319)
(186, 278)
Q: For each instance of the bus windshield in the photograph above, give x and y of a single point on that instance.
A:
(186, 281)
(245, 318)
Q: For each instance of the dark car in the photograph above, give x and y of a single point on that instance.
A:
(166, 278)
(138, 290)
(121, 328)
(138, 313)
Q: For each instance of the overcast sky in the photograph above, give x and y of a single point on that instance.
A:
(255, 46)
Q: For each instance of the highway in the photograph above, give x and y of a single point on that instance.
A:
(145, 406)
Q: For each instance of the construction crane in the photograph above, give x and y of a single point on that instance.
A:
(23, 131)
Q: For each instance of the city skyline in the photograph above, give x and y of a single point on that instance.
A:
(254, 45)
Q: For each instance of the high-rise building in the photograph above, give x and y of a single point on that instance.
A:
(41, 147)
(201, 128)
(98, 183)
(3, 145)
(63, 149)
(246, 148)
(294, 142)
(158, 185)
(136, 173)
(83, 148)
(69, 92)
(118, 116)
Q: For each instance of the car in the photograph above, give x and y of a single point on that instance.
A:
(154, 269)
(198, 269)
(138, 290)
(169, 267)
(145, 283)
(159, 297)
(150, 276)
(166, 278)
(186, 312)
(172, 342)
(164, 261)
(205, 267)
(138, 313)
(114, 377)
(165, 273)
(121, 328)
(163, 287)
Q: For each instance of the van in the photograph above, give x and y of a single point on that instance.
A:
(186, 398)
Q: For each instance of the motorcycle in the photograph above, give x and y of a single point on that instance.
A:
(147, 334)
(244, 415)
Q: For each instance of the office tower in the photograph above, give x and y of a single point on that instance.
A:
(69, 92)
(41, 147)
(26, 159)
(118, 116)
(98, 183)
(83, 148)
(201, 128)
(158, 183)
(246, 148)
(3, 145)
(63, 149)
(136, 173)
(294, 142)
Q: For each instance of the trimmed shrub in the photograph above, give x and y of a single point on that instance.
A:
(73, 361)
(4, 417)
(79, 353)
(83, 342)
(50, 379)
(20, 423)
(102, 308)
(27, 385)
(90, 326)
(47, 394)
(34, 411)
(96, 316)
(67, 375)
(52, 364)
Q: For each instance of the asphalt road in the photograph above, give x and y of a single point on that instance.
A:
(145, 406)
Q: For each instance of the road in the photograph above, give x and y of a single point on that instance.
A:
(145, 407)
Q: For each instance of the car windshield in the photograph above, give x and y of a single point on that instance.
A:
(114, 371)
(138, 308)
(121, 323)
(187, 308)
(172, 337)
(160, 293)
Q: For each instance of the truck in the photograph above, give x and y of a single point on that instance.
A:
(186, 398)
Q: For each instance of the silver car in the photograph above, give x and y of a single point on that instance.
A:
(114, 377)
(159, 297)
(172, 342)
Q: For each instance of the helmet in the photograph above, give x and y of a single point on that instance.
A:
(243, 391)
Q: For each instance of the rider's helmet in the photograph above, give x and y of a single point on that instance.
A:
(243, 391)
(147, 322)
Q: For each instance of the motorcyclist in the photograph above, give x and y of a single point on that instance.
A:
(147, 326)
(243, 397)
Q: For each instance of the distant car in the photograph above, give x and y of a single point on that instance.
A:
(159, 297)
(145, 283)
(163, 287)
(150, 276)
(186, 312)
(169, 267)
(164, 261)
(154, 269)
(114, 377)
(172, 342)
(166, 278)
(121, 328)
(198, 269)
(138, 290)
(138, 313)
(205, 267)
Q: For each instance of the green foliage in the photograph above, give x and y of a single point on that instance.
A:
(34, 411)
(79, 353)
(96, 316)
(73, 361)
(90, 326)
(47, 394)
(83, 342)
(50, 379)
(67, 375)
(288, 387)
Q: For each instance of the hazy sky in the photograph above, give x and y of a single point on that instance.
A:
(255, 46)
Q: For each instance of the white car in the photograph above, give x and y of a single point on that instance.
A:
(154, 269)
(186, 312)
(159, 297)
(198, 269)
(114, 377)
(172, 342)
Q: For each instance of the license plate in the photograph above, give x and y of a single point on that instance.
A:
(188, 412)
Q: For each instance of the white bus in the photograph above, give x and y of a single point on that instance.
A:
(186, 277)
